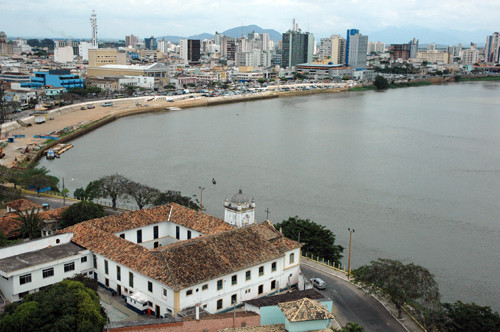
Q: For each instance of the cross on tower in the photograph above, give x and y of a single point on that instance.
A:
(267, 213)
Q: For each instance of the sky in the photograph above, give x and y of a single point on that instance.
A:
(143, 18)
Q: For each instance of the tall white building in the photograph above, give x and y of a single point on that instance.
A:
(183, 50)
(358, 46)
(376, 47)
(470, 56)
(83, 50)
(333, 48)
(63, 54)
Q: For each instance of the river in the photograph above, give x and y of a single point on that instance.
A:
(415, 171)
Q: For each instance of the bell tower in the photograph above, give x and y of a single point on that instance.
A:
(239, 211)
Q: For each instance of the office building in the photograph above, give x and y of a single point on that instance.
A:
(492, 48)
(470, 56)
(190, 50)
(413, 48)
(376, 47)
(357, 50)
(228, 47)
(61, 78)
(150, 43)
(350, 32)
(297, 47)
(63, 54)
(106, 56)
(131, 41)
(333, 48)
(83, 50)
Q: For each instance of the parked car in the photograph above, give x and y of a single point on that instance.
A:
(318, 283)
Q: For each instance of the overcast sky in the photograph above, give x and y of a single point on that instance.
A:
(117, 18)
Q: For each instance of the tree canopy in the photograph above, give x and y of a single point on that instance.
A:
(141, 193)
(171, 196)
(317, 239)
(29, 223)
(403, 282)
(462, 317)
(65, 306)
(112, 186)
(80, 212)
(381, 83)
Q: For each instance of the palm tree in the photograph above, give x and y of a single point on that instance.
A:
(29, 223)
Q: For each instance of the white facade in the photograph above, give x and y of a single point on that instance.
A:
(183, 50)
(63, 54)
(83, 50)
(140, 81)
(239, 211)
(255, 58)
(358, 45)
(376, 47)
(21, 279)
(470, 56)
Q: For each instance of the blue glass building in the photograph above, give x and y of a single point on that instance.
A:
(350, 32)
(55, 78)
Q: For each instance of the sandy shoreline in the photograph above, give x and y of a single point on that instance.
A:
(73, 116)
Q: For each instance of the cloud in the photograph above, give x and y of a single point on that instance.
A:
(117, 18)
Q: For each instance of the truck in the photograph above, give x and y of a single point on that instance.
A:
(39, 119)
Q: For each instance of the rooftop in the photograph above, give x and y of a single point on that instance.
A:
(286, 297)
(23, 204)
(49, 254)
(186, 263)
(304, 310)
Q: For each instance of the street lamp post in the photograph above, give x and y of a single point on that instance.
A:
(201, 198)
(349, 261)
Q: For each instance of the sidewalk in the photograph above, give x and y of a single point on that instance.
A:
(407, 321)
(116, 309)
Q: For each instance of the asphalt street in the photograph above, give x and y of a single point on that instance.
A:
(58, 202)
(350, 304)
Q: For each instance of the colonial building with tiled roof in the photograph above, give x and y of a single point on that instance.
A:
(170, 258)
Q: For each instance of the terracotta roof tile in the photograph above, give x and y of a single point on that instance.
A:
(9, 225)
(52, 214)
(304, 310)
(184, 263)
(23, 204)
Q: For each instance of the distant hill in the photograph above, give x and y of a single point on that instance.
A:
(234, 32)
(396, 35)
(244, 30)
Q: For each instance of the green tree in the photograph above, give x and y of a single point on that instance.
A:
(65, 306)
(403, 282)
(171, 196)
(381, 83)
(80, 212)
(469, 317)
(110, 186)
(317, 239)
(29, 223)
(351, 327)
(142, 194)
(80, 194)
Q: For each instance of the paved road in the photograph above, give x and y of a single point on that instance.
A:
(351, 304)
(56, 203)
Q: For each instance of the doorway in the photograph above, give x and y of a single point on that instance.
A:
(157, 311)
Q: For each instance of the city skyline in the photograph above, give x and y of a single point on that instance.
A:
(151, 17)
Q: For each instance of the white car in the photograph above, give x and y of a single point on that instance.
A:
(318, 283)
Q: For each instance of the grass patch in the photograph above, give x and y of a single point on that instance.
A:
(485, 78)
(363, 88)
(410, 84)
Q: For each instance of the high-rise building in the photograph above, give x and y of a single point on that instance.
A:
(106, 56)
(492, 48)
(400, 51)
(350, 32)
(376, 47)
(470, 56)
(431, 47)
(333, 48)
(297, 46)
(93, 23)
(358, 46)
(131, 41)
(190, 50)
(150, 43)
(413, 48)
(228, 47)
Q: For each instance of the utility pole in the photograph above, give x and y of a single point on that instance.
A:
(201, 198)
(64, 194)
(267, 213)
(349, 261)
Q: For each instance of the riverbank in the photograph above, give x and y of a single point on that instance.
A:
(70, 122)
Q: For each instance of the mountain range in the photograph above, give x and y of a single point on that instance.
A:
(234, 32)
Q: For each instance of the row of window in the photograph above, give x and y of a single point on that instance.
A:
(234, 298)
(130, 276)
(47, 273)
(234, 279)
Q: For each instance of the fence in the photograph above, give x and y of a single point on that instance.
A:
(322, 261)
